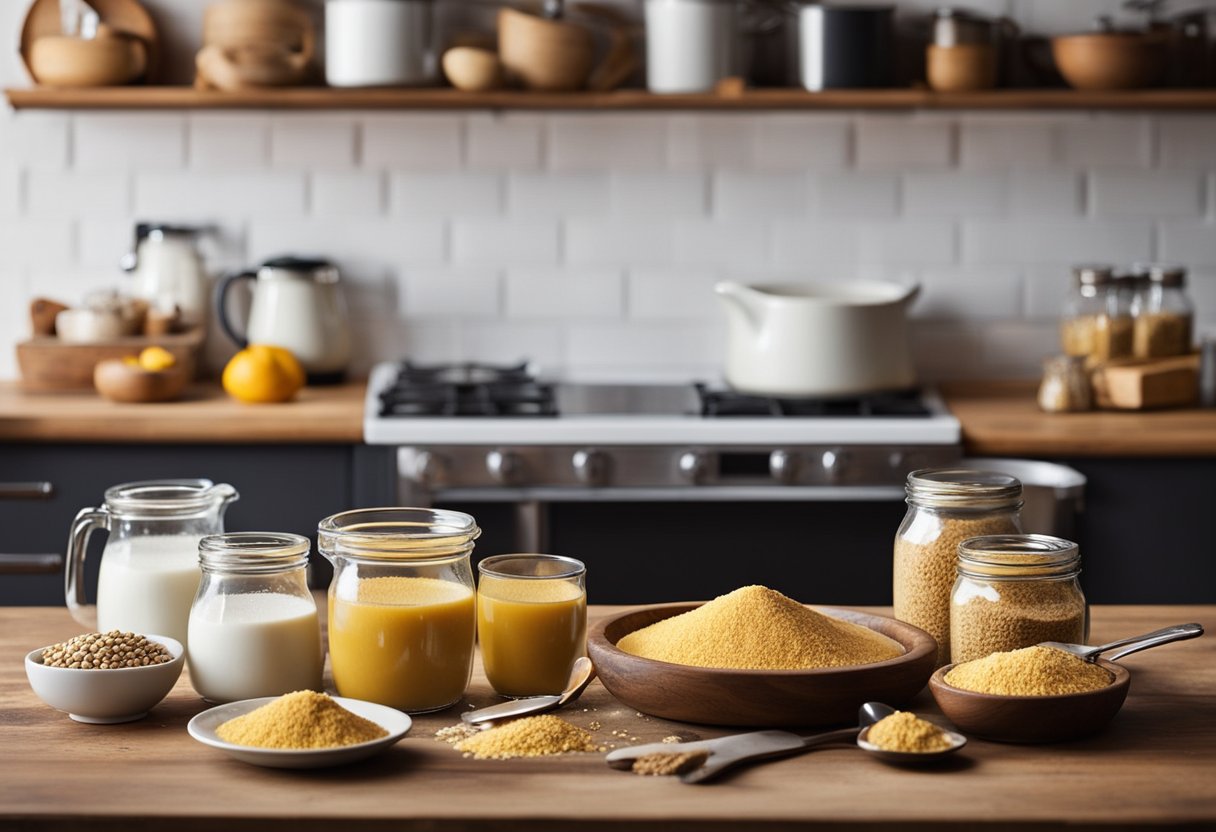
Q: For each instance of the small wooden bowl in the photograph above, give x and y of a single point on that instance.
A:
(121, 382)
(1031, 719)
(758, 698)
(1110, 60)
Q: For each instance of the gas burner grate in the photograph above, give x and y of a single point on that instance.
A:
(717, 403)
(467, 389)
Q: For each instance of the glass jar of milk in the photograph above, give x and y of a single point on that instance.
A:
(253, 627)
(149, 569)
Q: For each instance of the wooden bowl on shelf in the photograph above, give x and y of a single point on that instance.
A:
(1110, 60)
(758, 698)
(127, 21)
(119, 381)
(1031, 719)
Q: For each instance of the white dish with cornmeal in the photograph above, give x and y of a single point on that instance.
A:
(203, 728)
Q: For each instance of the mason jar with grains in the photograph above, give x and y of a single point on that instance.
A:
(1097, 322)
(1162, 313)
(1015, 591)
(945, 507)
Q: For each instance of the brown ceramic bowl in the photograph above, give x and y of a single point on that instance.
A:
(758, 698)
(1031, 719)
(121, 382)
(1110, 60)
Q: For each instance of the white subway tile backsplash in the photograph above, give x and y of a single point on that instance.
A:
(1045, 193)
(675, 194)
(618, 242)
(542, 342)
(369, 246)
(346, 194)
(1188, 242)
(1017, 349)
(443, 293)
(639, 344)
(513, 242)
(417, 141)
(1201, 286)
(906, 243)
(798, 142)
(30, 242)
(945, 350)
(1147, 193)
(600, 142)
(312, 142)
(798, 244)
(759, 195)
(904, 142)
(669, 294)
(11, 190)
(228, 141)
(701, 142)
(14, 316)
(855, 195)
(955, 194)
(723, 244)
(35, 139)
(218, 197)
(968, 294)
(128, 140)
(1007, 141)
(1105, 140)
(1034, 242)
(101, 243)
(563, 294)
(66, 194)
(1186, 141)
(70, 285)
(511, 141)
(445, 194)
(557, 194)
(1048, 287)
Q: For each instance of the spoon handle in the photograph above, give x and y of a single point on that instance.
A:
(1134, 644)
(719, 763)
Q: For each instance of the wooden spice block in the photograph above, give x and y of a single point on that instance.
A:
(1143, 385)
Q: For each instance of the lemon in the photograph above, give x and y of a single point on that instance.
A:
(263, 373)
(156, 359)
(131, 360)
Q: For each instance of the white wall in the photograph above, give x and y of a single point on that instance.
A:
(590, 242)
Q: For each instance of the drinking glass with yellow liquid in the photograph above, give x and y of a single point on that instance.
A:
(531, 621)
(402, 612)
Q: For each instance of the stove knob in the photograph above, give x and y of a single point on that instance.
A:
(694, 466)
(783, 466)
(430, 469)
(835, 464)
(505, 466)
(591, 467)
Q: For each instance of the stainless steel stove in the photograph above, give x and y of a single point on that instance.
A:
(478, 433)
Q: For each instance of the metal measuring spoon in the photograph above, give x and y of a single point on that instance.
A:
(877, 711)
(580, 676)
(1134, 644)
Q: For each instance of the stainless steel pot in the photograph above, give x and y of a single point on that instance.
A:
(844, 47)
(826, 339)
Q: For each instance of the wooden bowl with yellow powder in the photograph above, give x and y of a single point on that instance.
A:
(1031, 718)
(840, 659)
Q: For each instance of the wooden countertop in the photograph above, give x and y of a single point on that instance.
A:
(1153, 766)
(1003, 419)
(204, 415)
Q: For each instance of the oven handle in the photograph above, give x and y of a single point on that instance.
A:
(677, 494)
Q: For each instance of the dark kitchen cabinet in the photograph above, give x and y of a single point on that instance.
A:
(283, 488)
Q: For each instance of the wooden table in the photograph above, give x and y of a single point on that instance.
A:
(1155, 765)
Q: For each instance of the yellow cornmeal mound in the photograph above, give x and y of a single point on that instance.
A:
(903, 731)
(304, 719)
(756, 628)
(533, 736)
(1031, 671)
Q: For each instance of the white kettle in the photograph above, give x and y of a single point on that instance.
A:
(168, 270)
(818, 339)
(297, 305)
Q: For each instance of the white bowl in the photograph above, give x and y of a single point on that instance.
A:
(106, 696)
(203, 726)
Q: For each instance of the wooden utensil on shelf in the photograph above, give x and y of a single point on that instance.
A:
(254, 43)
(961, 67)
(42, 315)
(471, 69)
(126, 46)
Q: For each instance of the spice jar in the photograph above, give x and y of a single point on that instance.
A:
(253, 626)
(1162, 312)
(1083, 306)
(945, 507)
(402, 614)
(1065, 386)
(1015, 591)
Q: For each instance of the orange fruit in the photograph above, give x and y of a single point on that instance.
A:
(262, 373)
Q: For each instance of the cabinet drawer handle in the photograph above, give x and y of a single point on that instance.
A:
(46, 564)
(26, 490)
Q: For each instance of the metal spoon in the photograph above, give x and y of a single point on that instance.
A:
(905, 758)
(580, 676)
(1134, 644)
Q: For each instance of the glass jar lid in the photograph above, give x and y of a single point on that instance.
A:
(163, 499)
(529, 567)
(1093, 274)
(1019, 557)
(253, 553)
(963, 488)
(398, 534)
(1166, 274)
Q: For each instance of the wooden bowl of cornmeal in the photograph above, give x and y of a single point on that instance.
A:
(758, 698)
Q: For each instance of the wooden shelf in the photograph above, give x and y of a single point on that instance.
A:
(323, 98)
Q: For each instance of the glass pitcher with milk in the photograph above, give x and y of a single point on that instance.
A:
(149, 569)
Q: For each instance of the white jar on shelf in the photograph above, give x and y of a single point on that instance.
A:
(691, 45)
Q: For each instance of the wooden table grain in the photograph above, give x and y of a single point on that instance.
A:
(1154, 766)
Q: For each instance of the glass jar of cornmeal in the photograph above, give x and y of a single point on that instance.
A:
(402, 609)
(531, 621)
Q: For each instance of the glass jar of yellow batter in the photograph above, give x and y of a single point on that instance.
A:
(402, 610)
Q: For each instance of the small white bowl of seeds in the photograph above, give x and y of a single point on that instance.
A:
(105, 678)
